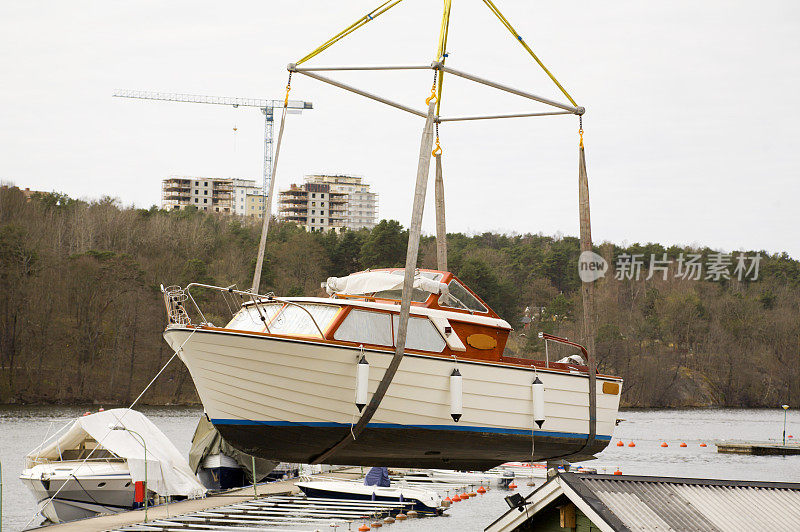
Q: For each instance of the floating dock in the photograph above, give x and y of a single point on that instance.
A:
(121, 520)
(277, 506)
(758, 449)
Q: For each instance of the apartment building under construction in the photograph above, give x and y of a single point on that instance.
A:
(225, 196)
(327, 202)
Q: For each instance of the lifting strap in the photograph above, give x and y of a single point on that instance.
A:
(588, 290)
(412, 252)
(441, 229)
(267, 211)
(375, 13)
(519, 38)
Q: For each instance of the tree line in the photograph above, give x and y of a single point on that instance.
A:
(81, 313)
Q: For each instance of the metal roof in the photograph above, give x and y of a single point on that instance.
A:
(639, 503)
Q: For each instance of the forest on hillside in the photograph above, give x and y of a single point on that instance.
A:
(81, 313)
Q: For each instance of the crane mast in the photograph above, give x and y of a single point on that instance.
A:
(266, 107)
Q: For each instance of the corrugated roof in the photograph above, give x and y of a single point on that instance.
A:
(664, 504)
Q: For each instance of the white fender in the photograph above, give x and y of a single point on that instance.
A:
(456, 386)
(362, 382)
(538, 401)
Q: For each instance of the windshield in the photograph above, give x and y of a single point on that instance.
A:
(284, 318)
(460, 297)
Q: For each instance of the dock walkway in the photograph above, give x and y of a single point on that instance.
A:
(758, 449)
(102, 523)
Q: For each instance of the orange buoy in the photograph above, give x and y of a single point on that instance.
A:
(102, 409)
(617, 472)
(664, 444)
(683, 444)
(401, 516)
(363, 528)
(456, 498)
(412, 514)
(512, 486)
(631, 444)
(448, 499)
(703, 445)
(620, 444)
(86, 413)
(389, 520)
(481, 490)
(376, 524)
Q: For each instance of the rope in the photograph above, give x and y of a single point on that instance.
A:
(50, 500)
(519, 38)
(378, 11)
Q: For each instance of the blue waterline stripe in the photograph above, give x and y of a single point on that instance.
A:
(463, 428)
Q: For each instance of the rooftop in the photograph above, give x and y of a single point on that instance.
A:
(644, 503)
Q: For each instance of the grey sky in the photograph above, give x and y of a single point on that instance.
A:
(691, 125)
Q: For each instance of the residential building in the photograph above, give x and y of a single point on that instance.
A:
(327, 202)
(241, 189)
(225, 196)
(254, 204)
(205, 193)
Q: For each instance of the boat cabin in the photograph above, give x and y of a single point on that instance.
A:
(447, 318)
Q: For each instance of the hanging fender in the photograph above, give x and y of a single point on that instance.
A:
(362, 382)
(456, 399)
(538, 401)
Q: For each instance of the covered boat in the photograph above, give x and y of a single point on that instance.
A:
(286, 378)
(219, 465)
(92, 466)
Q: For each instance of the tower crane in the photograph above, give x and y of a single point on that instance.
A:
(266, 106)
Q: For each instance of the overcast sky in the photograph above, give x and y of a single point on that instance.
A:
(692, 126)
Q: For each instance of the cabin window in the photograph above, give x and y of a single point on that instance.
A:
(365, 327)
(248, 318)
(295, 321)
(422, 334)
(460, 297)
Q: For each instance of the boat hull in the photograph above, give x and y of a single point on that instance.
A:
(81, 497)
(399, 447)
(291, 399)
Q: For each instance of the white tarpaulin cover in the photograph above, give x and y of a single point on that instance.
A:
(168, 472)
(378, 281)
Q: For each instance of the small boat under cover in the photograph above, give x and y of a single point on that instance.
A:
(91, 467)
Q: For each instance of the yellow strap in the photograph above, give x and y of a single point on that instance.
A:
(378, 11)
(517, 36)
(443, 32)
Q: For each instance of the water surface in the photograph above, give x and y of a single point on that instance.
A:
(22, 428)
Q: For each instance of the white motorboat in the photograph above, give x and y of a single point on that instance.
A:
(424, 500)
(92, 466)
(279, 380)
